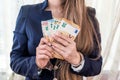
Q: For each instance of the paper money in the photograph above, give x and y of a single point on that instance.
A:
(66, 27)
(69, 28)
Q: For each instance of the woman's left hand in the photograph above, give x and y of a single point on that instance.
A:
(67, 48)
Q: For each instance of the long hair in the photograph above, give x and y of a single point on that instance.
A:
(76, 11)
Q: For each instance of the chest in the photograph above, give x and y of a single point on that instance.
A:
(34, 30)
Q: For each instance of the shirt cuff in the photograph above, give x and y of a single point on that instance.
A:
(79, 68)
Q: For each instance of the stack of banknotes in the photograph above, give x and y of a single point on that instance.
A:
(66, 27)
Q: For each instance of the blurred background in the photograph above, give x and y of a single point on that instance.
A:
(108, 14)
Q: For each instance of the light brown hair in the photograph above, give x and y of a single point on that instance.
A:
(76, 11)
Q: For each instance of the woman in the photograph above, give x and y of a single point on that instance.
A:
(31, 52)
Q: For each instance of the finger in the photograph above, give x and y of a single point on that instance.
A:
(44, 41)
(58, 50)
(45, 52)
(46, 47)
(59, 46)
(42, 56)
(61, 41)
(58, 34)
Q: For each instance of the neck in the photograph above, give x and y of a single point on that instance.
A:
(55, 4)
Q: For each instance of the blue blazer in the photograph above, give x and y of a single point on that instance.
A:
(27, 35)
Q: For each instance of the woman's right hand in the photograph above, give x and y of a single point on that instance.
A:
(43, 53)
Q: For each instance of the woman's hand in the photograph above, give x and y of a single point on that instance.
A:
(67, 48)
(43, 53)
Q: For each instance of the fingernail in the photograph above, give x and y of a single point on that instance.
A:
(49, 44)
(53, 46)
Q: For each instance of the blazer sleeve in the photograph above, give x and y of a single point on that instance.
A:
(20, 61)
(92, 67)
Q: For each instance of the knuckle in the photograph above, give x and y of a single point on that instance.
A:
(39, 45)
(66, 56)
(45, 51)
(42, 56)
(36, 48)
(41, 39)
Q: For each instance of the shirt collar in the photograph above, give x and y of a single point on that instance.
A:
(44, 5)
